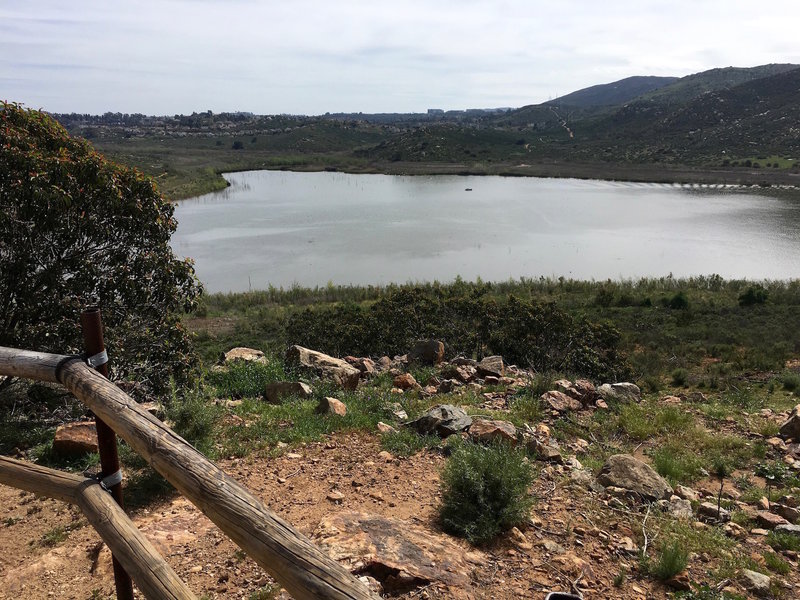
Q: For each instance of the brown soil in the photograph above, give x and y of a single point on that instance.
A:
(587, 528)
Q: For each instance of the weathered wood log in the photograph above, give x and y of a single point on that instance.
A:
(290, 557)
(154, 577)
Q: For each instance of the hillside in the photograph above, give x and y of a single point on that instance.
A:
(611, 94)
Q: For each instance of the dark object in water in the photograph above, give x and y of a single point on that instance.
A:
(467, 189)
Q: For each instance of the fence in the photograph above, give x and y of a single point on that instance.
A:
(293, 560)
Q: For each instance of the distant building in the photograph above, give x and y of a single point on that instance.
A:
(435, 111)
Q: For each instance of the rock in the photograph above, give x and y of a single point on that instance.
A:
(582, 390)
(443, 419)
(384, 428)
(397, 411)
(769, 520)
(74, 439)
(791, 428)
(789, 528)
(709, 512)
(486, 431)
(335, 496)
(464, 362)
(679, 582)
(686, 493)
(627, 545)
(385, 456)
(680, 508)
(405, 381)
(491, 365)
(427, 352)
(331, 406)
(275, 392)
(625, 471)
(365, 365)
(545, 450)
(463, 373)
(400, 554)
(560, 402)
(789, 513)
(244, 354)
(756, 583)
(670, 400)
(620, 392)
(324, 366)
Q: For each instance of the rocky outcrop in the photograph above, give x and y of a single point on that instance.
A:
(491, 365)
(405, 381)
(323, 366)
(620, 392)
(626, 472)
(561, 402)
(443, 420)
(427, 352)
(244, 354)
(791, 428)
(488, 431)
(400, 554)
(74, 439)
(275, 392)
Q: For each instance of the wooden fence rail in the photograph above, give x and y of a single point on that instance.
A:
(291, 558)
(141, 560)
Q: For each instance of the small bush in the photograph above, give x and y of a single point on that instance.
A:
(680, 377)
(679, 301)
(791, 382)
(755, 294)
(484, 491)
(672, 559)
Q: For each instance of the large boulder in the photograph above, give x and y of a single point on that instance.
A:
(275, 392)
(443, 419)
(331, 406)
(244, 354)
(626, 472)
(400, 554)
(324, 366)
(427, 352)
(74, 439)
(620, 392)
(791, 428)
(491, 365)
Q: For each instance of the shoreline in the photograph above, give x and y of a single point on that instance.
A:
(662, 174)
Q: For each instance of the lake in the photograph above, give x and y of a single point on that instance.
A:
(282, 228)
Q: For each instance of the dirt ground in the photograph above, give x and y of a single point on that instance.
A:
(573, 538)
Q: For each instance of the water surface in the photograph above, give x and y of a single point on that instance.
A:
(282, 228)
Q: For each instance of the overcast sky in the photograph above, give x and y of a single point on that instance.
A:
(311, 57)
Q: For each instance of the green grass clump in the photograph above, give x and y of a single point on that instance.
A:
(791, 382)
(672, 559)
(406, 442)
(780, 540)
(484, 491)
(244, 379)
(776, 564)
(677, 463)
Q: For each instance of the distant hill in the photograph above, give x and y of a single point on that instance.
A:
(610, 94)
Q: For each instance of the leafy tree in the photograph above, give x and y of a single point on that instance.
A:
(77, 229)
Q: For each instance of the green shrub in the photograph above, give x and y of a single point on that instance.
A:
(779, 540)
(672, 559)
(680, 377)
(484, 491)
(245, 379)
(791, 382)
(776, 564)
(679, 301)
(755, 294)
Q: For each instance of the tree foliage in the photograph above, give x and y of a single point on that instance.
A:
(77, 229)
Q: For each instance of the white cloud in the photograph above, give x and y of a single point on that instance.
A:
(311, 57)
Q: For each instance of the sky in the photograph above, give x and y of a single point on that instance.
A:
(311, 57)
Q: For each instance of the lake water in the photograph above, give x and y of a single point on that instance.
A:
(283, 228)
